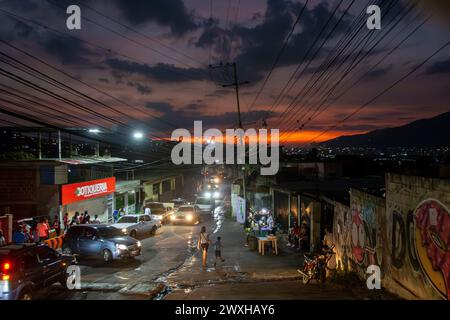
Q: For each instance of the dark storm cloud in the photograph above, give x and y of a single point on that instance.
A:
(260, 44)
(141, 88)
(11, 29)
(169, 13)
(439, 67)
(162, 72)
(68, 50)
(219, 93)
(184, 117)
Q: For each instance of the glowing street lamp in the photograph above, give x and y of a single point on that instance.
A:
(138, 135)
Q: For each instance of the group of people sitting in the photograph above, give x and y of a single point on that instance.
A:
(298, 237)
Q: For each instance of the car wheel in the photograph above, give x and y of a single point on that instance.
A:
(107, 255)
(133, 234)
(25, 294)
(153, 232)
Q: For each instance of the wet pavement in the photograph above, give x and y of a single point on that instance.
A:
(170, 268)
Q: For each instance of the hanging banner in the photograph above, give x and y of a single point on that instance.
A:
(238, 208)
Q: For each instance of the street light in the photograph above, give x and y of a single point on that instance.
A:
(138, 135)
(94, 130)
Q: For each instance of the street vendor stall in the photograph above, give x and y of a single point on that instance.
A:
(259, 227)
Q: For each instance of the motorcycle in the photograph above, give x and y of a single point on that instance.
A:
(315, 266)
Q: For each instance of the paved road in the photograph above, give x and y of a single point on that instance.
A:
(161, 254)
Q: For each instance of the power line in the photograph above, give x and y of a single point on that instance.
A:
(278, 56)
(383, 91)
(353, 64)
(142, 34)
(318, 36)
(107, 50)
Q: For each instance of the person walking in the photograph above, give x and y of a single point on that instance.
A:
(218, 250)
(203, 244)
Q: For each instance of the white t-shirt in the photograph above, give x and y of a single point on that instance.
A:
(148, 211)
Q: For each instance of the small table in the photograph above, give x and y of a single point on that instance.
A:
(262, 242)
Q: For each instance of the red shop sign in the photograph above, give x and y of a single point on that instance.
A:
(71, 193)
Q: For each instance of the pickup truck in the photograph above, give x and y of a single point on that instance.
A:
(137, 224)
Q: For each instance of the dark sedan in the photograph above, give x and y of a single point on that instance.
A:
(26, 269)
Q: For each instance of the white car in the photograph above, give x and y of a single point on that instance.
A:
(204, 203)
(137, 224)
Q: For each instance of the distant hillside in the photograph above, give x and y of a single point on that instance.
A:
(421, 133)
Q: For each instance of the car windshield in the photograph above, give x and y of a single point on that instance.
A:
(109, 232)
(202, 201)
(156, 206)
(128, 220)
(185, 209)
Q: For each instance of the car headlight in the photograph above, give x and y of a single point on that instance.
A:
(124, 230)
(138, 244)
(172, 217)
(216, 195)
(216, 180)
(208, 194)
(121, 247)
(189, 217)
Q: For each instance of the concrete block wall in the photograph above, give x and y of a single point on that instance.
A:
(407, 235)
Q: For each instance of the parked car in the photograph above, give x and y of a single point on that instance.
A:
(27, 268)
(158, 211)
(187, 214)
(103, 241)
(204, 203)
(178, 202)
(136, 225)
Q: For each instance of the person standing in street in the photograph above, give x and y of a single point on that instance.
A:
(56, 225)
(116, 215)
(218, 250)
(66, 222)
(42, 230)
(87, 217)
(203, 244)
(81, 218)
(75, 219)
(96, 221)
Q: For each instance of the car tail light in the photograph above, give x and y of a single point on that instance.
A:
(6, 268)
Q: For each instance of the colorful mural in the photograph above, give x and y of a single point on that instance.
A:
(432, 243)
(408, 239)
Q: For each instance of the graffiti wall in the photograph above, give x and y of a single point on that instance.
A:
(358, 231)
(419, 236)
(407, 235)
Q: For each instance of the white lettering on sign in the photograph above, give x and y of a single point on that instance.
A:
(92, 190)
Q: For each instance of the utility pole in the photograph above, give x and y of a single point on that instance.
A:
(236, 83)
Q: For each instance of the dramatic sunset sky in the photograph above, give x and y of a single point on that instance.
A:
(163, 71)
